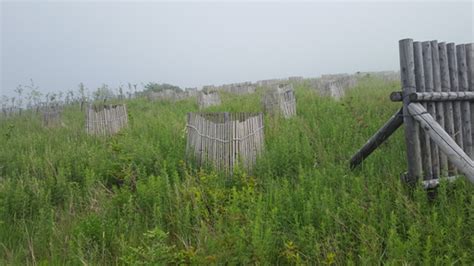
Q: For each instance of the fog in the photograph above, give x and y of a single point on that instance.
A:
(59, 45)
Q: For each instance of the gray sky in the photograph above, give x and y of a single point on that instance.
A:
(59, 44)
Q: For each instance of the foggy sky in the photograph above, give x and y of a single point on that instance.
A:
(59, 45)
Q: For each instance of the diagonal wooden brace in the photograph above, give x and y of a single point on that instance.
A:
(442, 139)
(378, 138)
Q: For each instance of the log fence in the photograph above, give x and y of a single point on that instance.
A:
(438, 97)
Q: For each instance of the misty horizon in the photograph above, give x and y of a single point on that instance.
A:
(59, 45)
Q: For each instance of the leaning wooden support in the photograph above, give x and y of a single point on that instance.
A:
(378, 138)
(442, 139)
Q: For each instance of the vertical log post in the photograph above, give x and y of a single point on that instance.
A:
(407, 71)
(443, 159)
(429, 87)
(448, 106)
(465, 106)
(425, 148)
(470, 78)
(453, 75)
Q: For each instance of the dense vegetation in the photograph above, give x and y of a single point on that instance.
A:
(69, 198)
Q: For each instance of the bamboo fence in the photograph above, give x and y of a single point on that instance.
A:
(208, 99)
(51, 116)
(106, 119)
(280, 101)
(334, 86)
(224, 140)
(167, 95)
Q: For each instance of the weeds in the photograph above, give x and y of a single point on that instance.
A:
(69, 198)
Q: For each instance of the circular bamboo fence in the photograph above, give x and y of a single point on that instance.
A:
(208, 99)
(51, 116)
(280, 101)
(106, 119)
(224, 140)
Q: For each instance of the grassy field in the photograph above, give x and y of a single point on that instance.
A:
(69, 198)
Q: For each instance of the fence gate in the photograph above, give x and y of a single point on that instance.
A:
(438, 111)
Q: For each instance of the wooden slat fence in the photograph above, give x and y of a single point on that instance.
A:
(8, 112)
(51, 116)
(208, 99)
(280, 101)
(271, 82)
(224, 139)
(167, 95)
(334, 86)
(437, 95)
(106, 119)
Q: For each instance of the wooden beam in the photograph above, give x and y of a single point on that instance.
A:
(396, 96)
(442, 96)
(442, 139)
(378, 138)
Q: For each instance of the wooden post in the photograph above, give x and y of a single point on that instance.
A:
(443, 160)
(448, 106)
(425, 148)
(453, 75)
(465, 106)
(429, 87)
(396, 96)
(449, 147)
(470, 77)
(407, 71)
(378, 138)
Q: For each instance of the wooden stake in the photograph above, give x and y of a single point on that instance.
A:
(378, 138)
(407, 70)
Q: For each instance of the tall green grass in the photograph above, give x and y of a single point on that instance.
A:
(69, 198)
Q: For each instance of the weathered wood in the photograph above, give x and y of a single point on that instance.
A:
(205, 100)
(51, 116)
(465, 106)
(440, 115)
(431, 106)
(425, 148)
(407, 71)
(280, 100)
(106, 119)
(470, 80)
(453, 75)
(450, 96)
(396, 96)
(442, 139)
(446, 87)
(378, 138)
(223, 140)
